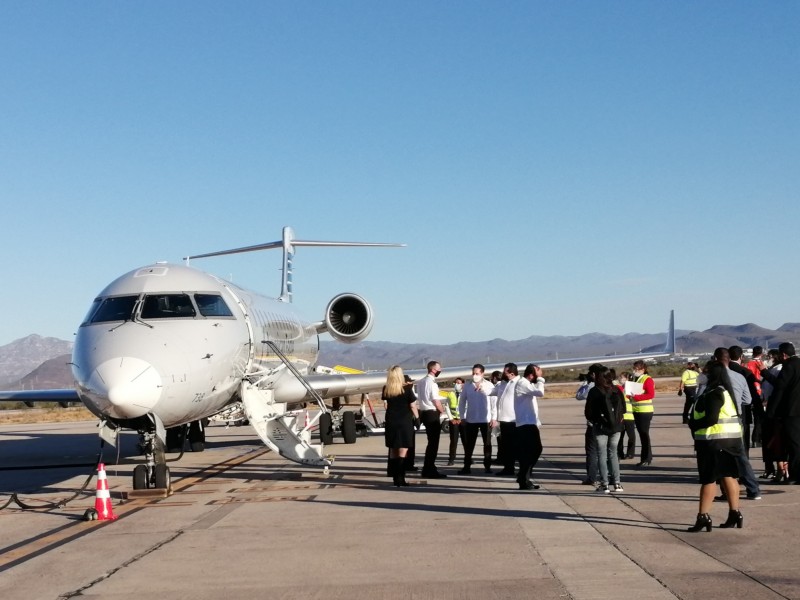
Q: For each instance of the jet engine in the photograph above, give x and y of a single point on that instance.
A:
(348, 318)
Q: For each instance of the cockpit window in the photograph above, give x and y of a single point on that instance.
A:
(212, 305)
(167, 306)
(119, 308)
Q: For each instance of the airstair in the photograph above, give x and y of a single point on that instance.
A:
(280, 429)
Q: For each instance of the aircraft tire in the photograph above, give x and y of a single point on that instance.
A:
(349, 432)
(140, 477)
(197, 436)
(326, 428)
(175, 439)
(162, 477)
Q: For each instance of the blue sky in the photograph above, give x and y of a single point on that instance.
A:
(554, 167)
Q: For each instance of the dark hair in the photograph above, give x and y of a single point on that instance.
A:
(640, 364)
(735, 352)
(457, 379)
(479, 366)
(774, 353)
(431, 363)
(530, 369)
(786, 348)
(722, 354)
(757, 351)
(718, 376)
(512, 368)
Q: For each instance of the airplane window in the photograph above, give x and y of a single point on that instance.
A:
(119, 308)
(167, 306)
(212, 305)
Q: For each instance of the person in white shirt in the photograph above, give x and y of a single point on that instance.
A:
(504, 417)
(526, 435)
(475, 407)
(430, 407)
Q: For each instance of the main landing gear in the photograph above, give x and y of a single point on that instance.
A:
(154, 474)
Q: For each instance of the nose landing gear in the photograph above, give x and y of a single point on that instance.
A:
(154, 474)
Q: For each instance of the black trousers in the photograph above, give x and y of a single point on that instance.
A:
(456, 433)
(689, 392)
(506, 451)
(529, 448)
(590, 446)
(471, 437)
(746, 420)
(791, 435)
(758, 420)
(630, 431)
(642, 421)
(433, 430)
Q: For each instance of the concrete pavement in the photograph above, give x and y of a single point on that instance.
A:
(254, 524)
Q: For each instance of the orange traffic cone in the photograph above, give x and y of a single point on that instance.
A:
(102, 499)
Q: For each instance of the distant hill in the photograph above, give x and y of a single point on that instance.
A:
(37, 362)
(22, 356)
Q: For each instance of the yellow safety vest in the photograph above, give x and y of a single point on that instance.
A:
(689, 378)
(727, 427)
(452, 401)
(628, 416)
(644, 406)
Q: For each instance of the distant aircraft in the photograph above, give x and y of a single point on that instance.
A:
(168, 345)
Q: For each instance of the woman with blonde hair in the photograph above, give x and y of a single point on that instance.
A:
(401, 412)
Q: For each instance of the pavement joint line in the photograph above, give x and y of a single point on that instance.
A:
(42, 543)
(621, 498)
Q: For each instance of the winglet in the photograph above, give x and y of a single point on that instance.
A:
(670, 346)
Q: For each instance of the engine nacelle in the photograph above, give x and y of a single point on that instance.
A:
(348, 318)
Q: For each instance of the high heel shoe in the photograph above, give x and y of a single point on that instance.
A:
(735, 519)
(703, 522)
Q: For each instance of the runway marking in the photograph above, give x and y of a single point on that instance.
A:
(241, 500)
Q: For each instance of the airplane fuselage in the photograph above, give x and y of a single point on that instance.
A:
(176, 342)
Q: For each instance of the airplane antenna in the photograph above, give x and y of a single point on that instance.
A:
(288, 244)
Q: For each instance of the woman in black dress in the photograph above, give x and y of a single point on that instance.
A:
(718, 441)
(401, 412)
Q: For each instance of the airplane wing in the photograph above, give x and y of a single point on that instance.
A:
(345, 384)
(29, 397)
(339, 383)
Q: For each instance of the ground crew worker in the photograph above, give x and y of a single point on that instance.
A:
(627, 420)
(688, 387)
(642, 405)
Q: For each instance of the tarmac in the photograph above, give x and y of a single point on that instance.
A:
(243, 523)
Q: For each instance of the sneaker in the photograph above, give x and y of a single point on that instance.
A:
(603, 489)
(450, 463)
(756, 496)
(617, 488)
(590, 482)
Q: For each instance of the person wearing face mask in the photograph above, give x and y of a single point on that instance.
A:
(642, 405)
(475, 408)
(430, 407)
(504, 418)
(526, 435)
(456, 430)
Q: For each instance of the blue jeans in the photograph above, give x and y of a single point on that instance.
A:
(607, 456)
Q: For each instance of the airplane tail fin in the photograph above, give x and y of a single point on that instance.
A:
(288, 243)
(670, 345)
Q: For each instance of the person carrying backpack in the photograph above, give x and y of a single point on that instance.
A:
(605, 410)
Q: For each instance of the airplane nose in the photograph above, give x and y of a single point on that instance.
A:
(129, 387)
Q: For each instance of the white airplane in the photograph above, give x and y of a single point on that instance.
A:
(168, 345)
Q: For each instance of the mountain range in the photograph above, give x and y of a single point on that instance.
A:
(36, 362)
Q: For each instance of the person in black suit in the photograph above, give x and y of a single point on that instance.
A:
(784, 405)
(735, 364)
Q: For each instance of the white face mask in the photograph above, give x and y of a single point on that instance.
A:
(477, 378)
(458, 388)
